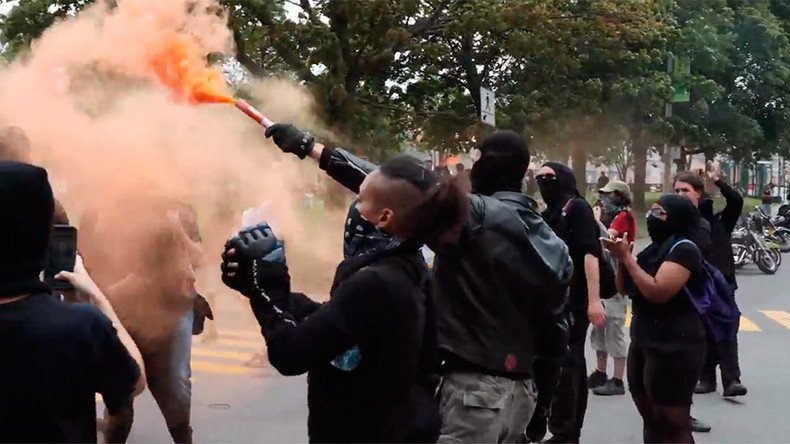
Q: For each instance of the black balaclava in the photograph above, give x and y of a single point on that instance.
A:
(361, 237)
(682, 218)
(504, 160)
(558, 190)
(26, 212)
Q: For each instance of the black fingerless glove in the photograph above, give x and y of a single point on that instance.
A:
(253, 264)
(290, 139)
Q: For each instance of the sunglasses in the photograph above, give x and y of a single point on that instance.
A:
(656, 212)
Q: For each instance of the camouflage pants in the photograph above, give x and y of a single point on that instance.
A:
(477, 408)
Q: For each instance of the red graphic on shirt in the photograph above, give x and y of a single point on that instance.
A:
(510, 362)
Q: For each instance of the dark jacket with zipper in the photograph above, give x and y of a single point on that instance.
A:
(380, 311)
(490, 319)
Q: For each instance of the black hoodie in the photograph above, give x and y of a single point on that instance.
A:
(26, 210)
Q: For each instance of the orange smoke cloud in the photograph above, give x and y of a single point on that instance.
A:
(109, 122)
(178, 65)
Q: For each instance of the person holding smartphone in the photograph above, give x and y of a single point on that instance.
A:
(56, 355)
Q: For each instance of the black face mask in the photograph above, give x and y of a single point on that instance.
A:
(551, 190)
(362, 237)
(659, 230)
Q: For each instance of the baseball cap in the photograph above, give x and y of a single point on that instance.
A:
(616, 185)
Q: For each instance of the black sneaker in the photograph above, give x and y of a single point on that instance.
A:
(612, 387)
(699, 426)
(734, 388)
(596, 379)
(705, 387)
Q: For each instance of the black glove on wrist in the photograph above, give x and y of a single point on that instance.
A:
(253, 263)
(290, 139)
(253, 250)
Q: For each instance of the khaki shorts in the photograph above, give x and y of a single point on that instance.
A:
(611, 338)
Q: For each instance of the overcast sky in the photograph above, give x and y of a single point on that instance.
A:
(6, 6)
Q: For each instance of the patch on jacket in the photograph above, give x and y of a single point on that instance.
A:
(510, 362)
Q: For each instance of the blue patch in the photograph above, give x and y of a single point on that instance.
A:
(349, 360)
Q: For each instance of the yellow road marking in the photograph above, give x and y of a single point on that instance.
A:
(238, 356)
(782, 317)
(222, 369)
(748, 325)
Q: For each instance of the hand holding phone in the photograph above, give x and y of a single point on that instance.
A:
(62, 256)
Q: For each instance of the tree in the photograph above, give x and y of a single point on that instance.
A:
(739, 53)
(344, 51)
(28, 20)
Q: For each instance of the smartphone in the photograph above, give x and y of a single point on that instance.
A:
(62, 256)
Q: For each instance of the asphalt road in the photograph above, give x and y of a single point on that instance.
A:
(235, 404)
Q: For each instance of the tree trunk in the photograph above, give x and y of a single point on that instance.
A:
(681, 162)
(579, 160)
(640, 171)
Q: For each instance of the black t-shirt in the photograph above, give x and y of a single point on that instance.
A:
(575, 224)
(675, 323)
(55, 357)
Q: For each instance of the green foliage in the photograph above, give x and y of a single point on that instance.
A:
(577, 77)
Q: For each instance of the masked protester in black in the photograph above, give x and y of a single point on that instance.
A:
(55, 355)
(371, 350)
(667, 333)
(714, 239)
(493, 340)
(571, 217)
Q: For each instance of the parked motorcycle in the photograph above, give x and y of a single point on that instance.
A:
(773, 228)
(749, 247)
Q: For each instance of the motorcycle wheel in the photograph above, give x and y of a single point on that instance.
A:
(765, 262)
(783, 238)
(776, 255)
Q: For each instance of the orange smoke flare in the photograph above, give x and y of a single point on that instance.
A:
(179, 66)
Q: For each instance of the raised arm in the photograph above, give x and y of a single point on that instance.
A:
(339, 164)
(347, 169)
(732, 211)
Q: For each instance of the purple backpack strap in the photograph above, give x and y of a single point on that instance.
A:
(700, 299)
